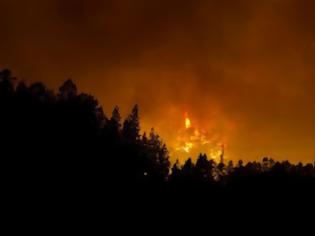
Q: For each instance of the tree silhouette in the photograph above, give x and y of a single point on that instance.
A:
(68, 90)
(204, 168)
(6, 83)
(62, 144)
(131, 127)
(175, 172)
(115, 120)
(188, 170)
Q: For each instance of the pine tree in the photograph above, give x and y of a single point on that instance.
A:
(175, 172)
(115, 119)
(188, 169)
(204, 167)
(68, 90)
(131, 127)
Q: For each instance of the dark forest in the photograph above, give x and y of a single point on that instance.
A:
(62, 142)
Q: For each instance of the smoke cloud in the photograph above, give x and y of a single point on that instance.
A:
(241, 69)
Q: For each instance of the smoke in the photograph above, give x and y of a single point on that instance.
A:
(245, 67)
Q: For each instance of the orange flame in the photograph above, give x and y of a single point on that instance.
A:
(193, 140)
(187, 123)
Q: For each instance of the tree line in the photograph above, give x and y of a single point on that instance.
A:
(62, 141)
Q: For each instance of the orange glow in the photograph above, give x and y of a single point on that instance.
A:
(243, 70)
(187, 123)
(187, 147)
(194, 140)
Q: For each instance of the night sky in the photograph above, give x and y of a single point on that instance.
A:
(242, 70)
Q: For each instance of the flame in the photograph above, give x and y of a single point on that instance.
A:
(194, 141)
(187, 123)
(187, 147)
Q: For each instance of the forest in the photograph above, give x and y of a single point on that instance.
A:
(61, 145)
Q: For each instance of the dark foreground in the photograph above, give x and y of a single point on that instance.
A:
(62, 156)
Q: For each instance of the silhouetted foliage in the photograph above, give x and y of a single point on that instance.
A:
(64, 144)
(131, 128)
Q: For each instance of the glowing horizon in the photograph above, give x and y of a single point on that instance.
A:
(242, 70)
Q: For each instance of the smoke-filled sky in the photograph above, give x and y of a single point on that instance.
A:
(243, 70)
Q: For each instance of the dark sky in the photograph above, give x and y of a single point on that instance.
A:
(243, 70)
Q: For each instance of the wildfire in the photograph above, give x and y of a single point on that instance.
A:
(194, 140)
(187, 147)
(187, 123)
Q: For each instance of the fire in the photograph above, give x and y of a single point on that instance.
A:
(187, 123)
(194, 140)
(187, 147)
